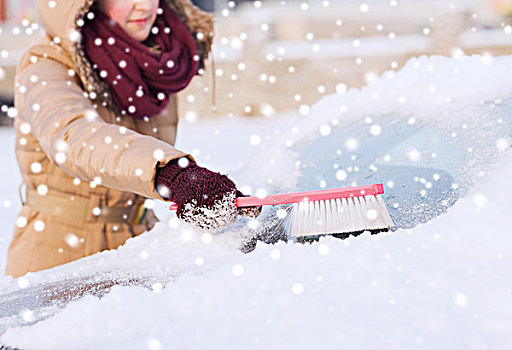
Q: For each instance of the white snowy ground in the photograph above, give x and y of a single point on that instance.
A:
(442, 285)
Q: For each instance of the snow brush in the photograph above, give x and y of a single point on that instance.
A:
(331, 211)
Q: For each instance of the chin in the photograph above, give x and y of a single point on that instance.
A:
(140, 36)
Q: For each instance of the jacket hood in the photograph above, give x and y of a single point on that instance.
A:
(62, 21)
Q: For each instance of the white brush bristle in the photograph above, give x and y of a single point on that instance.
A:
(339, 216)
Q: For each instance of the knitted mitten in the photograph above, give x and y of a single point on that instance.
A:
(205, 199)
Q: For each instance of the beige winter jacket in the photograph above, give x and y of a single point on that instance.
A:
(76, 153)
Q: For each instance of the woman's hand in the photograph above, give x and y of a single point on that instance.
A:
(205, 199)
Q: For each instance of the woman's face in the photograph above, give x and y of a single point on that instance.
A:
(136, 17)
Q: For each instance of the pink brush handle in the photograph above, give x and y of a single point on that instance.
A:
(297, 197)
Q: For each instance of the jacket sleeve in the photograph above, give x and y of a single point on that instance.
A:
(78, 140)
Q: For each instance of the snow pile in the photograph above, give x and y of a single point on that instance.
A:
(171, 249)
(441, 285)
(461, 104)
(436, 90)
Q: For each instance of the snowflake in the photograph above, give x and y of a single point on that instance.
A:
(39, 225)
(304, 110)
(154, 344)
(237, 270)
(341, 175)
(72, 240)
(275, 254)
(460, 299)
(325, 130)
(21, 221)
(42, 190)
(297, 288)
(60, 157)
(255, 140)
(341, 88)
(375, 130)
(36, 167)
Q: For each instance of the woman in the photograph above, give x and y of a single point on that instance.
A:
(96, 124)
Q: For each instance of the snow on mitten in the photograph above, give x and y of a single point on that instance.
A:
(205, 199)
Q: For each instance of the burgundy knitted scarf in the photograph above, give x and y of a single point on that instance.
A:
(140, 80)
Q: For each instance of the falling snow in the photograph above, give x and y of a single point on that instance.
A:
(431, 278)
(295, 285)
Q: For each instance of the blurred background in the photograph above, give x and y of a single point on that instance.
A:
(274, 56)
